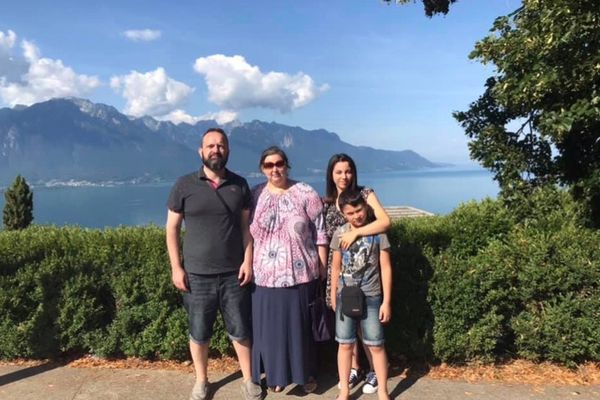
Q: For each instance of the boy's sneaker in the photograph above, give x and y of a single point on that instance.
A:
(353, 380)
(370, 385)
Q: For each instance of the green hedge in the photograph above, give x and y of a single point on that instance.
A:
(473, 285)
(476, 285)
(106, 292)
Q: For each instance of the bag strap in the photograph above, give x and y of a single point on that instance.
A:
(223, 201)
(359, 282)
(361, 276)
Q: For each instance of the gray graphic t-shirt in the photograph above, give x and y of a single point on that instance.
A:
(361, 260)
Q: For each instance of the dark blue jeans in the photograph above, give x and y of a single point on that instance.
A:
(211, 293)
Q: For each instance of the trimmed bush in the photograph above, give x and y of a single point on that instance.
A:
(473, 285)
(497, 301)
(105, 292)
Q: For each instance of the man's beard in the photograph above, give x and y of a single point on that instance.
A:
(215, 163)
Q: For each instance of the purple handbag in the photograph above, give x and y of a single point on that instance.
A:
(323, 328)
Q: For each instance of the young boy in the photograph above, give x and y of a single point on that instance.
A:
(365, 264)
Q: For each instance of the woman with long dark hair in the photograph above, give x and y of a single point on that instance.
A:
(342, 175)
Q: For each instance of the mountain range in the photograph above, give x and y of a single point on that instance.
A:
(74, 139)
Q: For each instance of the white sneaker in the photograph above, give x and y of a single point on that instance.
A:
(370, 385)
(352, 380)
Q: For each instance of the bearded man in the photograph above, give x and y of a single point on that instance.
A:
(215, 269)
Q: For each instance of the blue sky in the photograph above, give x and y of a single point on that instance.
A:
(378, 75)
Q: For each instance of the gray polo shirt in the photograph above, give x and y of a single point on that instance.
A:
(213, 241)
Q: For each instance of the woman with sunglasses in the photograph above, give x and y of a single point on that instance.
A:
(289, 257)
(341, 175)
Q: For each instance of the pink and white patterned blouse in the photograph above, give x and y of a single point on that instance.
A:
(287, 228)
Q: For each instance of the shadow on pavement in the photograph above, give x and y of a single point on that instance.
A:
(413, 374)
(28, 372)
(325, 381)
(214, 386)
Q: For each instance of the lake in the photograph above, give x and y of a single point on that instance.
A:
(436, 190)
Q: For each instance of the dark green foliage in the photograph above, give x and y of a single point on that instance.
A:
(431, 7)
(411, 328)
(537, 122)
(531, 291)
(471, 226)
(18, 206)
(105, 292)
(560, 316)
(564, 329)
(478, 284)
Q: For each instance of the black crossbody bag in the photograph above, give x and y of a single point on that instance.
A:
(353, 299)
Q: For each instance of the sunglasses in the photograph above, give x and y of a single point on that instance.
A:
(270, 165)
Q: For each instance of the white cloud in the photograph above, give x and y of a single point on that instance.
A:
(178, 116)
(30, 51)
(234, 85)
(8, 40)
(142, 35)
(29, 78)
(222, 117)
(152, 93)
(11, 68)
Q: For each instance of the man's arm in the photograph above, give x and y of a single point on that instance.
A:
(385, 263)
(173, 229)
(245, 274)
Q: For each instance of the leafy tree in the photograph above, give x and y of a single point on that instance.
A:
(538, 122)
(18, 207)
(432, 7)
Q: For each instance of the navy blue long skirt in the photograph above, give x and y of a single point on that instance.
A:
(283, 346)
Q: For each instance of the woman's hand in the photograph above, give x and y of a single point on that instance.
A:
(347, 238)
(323, 253)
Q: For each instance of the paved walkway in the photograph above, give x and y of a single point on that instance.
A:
(56, 382)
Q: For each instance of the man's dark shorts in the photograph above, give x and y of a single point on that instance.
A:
(210, 293)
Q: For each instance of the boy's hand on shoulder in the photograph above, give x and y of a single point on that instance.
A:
(385, 313)
(333, 301)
